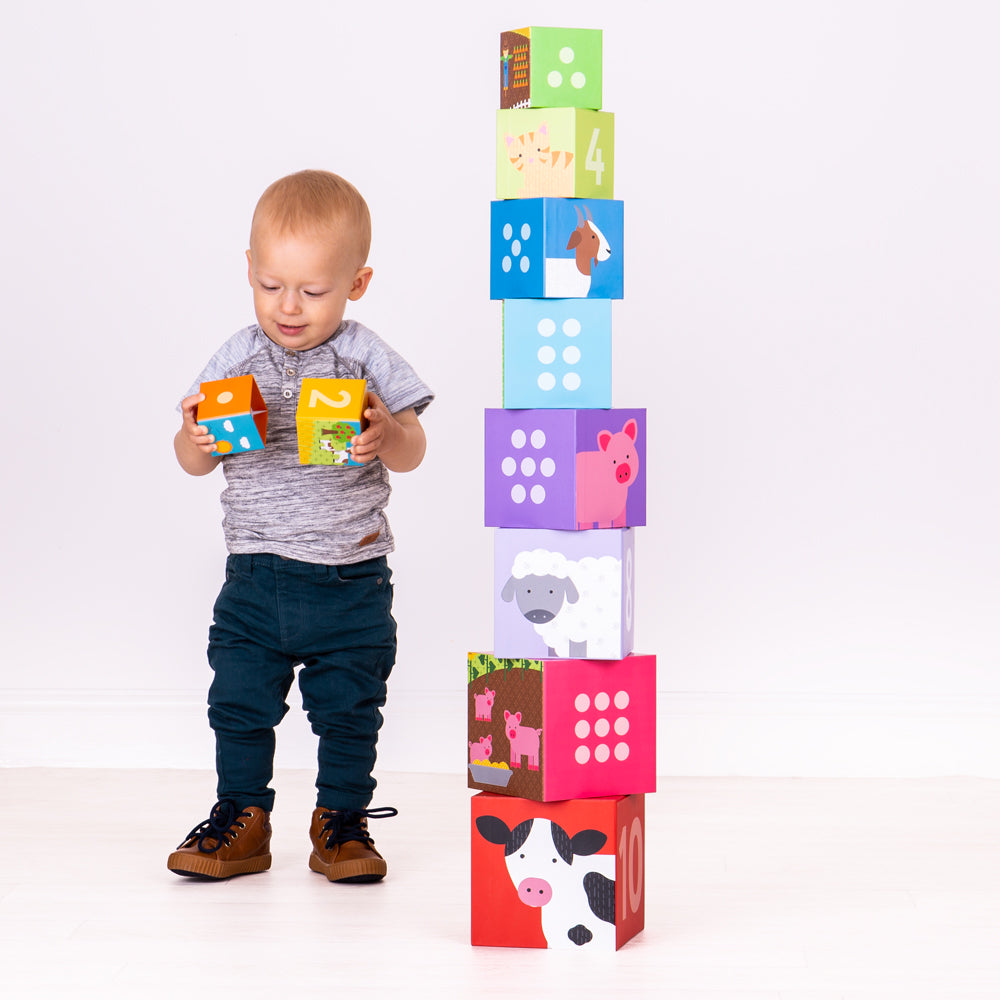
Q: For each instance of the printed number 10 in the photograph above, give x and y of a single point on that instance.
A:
(630, 859)
(594, 160)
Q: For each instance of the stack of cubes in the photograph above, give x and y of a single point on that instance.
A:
(561, 713)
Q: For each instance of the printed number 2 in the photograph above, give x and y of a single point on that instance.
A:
(631, 854)
(316, 397)
(594, 160)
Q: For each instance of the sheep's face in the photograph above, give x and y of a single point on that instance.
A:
(540, 598)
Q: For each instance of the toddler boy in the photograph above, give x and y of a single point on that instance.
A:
(307, 582)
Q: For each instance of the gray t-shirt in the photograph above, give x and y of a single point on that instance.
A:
(315, 513)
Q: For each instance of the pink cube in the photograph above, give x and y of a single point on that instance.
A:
(562, 729)
(559, 874)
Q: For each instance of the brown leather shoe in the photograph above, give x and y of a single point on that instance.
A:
(228, 843)
(343, 851)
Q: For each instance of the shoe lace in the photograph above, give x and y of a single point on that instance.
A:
(223, 817)
(348, 824)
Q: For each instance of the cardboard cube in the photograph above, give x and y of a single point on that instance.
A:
(556, 353)
(562, 729)
(566, 469)
(235, 412)
(551, 68)
(556, 248)
(566, 594)
(558, 153)
(558, 874)
(330, 413)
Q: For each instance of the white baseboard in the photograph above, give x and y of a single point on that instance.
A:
(699, 734)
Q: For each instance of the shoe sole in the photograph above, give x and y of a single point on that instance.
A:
(372, 870)
(214, 870)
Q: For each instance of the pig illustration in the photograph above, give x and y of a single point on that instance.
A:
(523, 740)
(484, 705)
(482, 749)
(603, 478)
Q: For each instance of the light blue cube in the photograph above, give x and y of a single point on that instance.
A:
(556, 354)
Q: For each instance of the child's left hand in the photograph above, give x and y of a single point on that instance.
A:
(366, 445)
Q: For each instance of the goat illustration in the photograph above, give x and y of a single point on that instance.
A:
(569, 277)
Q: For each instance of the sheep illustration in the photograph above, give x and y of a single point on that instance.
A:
(574, 605)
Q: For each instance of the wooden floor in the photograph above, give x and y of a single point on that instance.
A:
(755, 890)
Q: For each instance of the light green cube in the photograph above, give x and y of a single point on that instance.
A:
(555, 153)
(551, 68)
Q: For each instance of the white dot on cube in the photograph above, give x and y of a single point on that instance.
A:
(228, 424)
(566, 54)
(547, 355)
(555, 79)
(571, 327)
(245, 442)
(546, 327)
(538, 494)
(582, 729)
(601, 701)
(582, 702)
(508, 466)
(602, 727)
(602, 752)
(538, 439)
(546, 381)
(515, 247)
(548, 467)
(582, 755)
(526, 232)
(571, 355)
(621, 725)
(508, 231)
(224, 397)
(578, 80)
(621, 699)
(506, 264)
(528, 467)
(571, 381)
(621, 751)
(518, 439)
(525, 264)
(518, 494)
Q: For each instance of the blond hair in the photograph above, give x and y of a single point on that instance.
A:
(318, 203)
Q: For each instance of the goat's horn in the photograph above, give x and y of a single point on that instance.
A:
(579, 215)
(587, 210)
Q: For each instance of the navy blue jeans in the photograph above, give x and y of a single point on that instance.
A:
(275, 614)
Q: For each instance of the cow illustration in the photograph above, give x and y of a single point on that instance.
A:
(564, 876)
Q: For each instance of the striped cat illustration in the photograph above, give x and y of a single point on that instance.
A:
(546, 172)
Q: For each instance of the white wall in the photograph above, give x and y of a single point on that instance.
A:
(811, 318)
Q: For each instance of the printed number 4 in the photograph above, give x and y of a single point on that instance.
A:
(630, 854)
(594, 160)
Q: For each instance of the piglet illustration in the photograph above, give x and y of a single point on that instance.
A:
(484, 705)
(603, 478)
(523, 740)
(482, 749)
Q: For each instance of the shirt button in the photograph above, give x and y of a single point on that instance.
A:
(290, 371)
(287, 394)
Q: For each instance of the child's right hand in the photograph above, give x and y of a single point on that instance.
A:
(193, 432)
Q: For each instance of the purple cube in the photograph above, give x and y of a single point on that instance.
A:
(565, 469)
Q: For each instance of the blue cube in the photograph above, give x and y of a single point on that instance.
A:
(556, 353)
(562, 248)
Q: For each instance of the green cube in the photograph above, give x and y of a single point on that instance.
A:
(555, 153)
(551, 68)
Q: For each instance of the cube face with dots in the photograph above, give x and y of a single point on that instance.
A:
(567, 469)
(556, 248)
(563, 594)
(556, 353)
(552, 729)
(567, 875)
(551, 68)
(557, 153)
(329, 415)
(234, 412)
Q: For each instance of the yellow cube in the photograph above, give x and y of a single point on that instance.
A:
(330, 413)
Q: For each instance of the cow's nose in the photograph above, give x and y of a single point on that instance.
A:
(534, 892)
